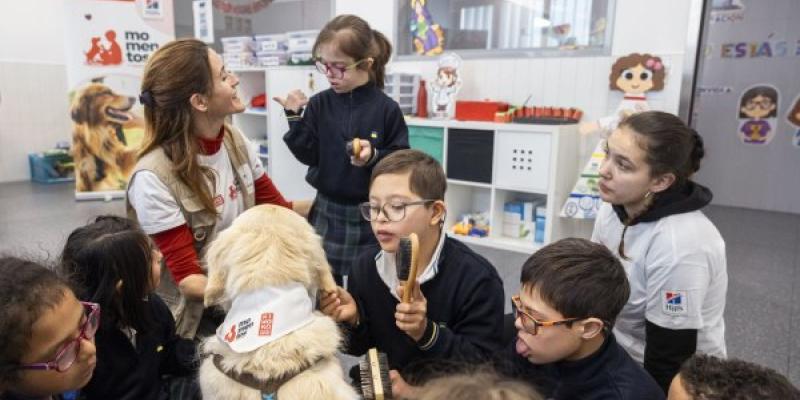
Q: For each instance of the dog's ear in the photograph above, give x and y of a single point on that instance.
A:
(217, 270)
(79, 112)
(325, 279)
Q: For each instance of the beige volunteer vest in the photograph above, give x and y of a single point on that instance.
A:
(201, 222)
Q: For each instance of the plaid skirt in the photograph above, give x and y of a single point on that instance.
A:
(345, 233)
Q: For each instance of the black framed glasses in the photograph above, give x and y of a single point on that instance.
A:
(763, 104)
(336, 70)
(68, 353)
(532, 325)
(393, 211)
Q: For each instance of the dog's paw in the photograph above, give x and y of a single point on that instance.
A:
(213, 296)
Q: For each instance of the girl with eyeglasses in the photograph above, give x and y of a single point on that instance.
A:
(46, 334)
(113, 263)
(353, 57)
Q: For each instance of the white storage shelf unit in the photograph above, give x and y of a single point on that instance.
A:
(489, 164)
(266, 126)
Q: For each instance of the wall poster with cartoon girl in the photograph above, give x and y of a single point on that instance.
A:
(758, 110)
(426, 36)
(793, 116)
(634, 75)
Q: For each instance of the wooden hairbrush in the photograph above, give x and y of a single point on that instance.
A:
(406, 263)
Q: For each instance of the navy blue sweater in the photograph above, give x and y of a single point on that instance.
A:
(609, 373)
(330, 121)
(465, 300)
(126, 372)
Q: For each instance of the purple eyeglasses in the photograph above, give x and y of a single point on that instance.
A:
(68, 353)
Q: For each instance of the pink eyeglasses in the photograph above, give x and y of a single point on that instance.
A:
(68, 353)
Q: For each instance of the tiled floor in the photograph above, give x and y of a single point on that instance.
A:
(762, 312)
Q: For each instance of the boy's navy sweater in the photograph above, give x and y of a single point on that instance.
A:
(609, 373)
(465, 299)
(330, 121)
(135, 373)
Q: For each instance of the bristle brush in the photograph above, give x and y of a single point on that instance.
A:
(406, 263)
(374, 369)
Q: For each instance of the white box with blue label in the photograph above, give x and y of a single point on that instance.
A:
(519, 219)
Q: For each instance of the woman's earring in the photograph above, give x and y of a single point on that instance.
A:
(648, 194)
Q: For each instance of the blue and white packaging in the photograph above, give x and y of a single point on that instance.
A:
(541, 221)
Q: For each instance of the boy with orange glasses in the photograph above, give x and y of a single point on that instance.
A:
(572, 291)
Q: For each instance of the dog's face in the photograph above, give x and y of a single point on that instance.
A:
(266, 245)
(97, 104)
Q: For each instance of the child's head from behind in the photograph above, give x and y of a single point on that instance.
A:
(406, 195)
(477, 386)
(704, 377)
(574, 281)
(113, 263)
(351, 53)
(41, 321)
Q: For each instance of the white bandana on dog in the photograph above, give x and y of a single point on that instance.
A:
(261, 316)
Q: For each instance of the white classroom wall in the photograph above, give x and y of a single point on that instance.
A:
(33, 83)
(33, 89)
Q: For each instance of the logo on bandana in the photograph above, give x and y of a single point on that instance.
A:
(265, 329)
(235, 334)
(231, 336)
(675, 302)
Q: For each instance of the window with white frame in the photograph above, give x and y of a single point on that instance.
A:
(496, 27)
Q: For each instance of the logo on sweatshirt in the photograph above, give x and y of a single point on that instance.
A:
(373, 134)
(675, 302)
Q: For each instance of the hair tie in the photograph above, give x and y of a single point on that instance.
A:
(653, 64)
(146, 98)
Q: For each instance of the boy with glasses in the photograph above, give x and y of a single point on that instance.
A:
(456, 311)
(572, 291)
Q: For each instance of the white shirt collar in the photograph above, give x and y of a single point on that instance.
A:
(385, 262)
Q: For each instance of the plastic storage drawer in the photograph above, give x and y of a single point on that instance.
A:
(469, 155)
(428, 140)
(45, 168)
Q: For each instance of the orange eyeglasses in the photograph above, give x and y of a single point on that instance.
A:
(532, 325)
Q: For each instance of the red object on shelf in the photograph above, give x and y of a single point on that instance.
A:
(479, 110)
(422, 100)
(259, 101)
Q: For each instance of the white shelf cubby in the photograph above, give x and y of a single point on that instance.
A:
(527, 162)
(268, 125)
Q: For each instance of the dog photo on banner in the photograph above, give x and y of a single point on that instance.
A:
(107, 45)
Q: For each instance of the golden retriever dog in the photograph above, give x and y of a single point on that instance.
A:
(270, 247)
(102, 159)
